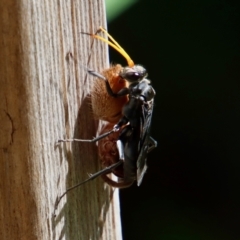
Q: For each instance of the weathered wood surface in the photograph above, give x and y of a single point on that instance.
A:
(44, 96)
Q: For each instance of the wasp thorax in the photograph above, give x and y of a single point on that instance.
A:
(133, 74)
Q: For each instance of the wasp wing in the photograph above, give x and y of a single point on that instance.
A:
(145, 140)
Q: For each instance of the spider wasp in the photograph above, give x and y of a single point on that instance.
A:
(124, 98)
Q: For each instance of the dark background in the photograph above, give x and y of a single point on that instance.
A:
(191, 50)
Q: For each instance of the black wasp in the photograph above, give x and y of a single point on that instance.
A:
(124, 98)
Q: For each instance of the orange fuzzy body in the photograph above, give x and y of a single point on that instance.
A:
(106, 107)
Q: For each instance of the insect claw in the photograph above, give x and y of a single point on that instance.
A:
(89, 174)
(65, 140)
(57, 143)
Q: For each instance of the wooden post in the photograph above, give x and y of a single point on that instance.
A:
(44, 96)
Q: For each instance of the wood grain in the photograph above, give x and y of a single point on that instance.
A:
(44, 96)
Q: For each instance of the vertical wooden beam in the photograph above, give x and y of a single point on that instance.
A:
(44, 95)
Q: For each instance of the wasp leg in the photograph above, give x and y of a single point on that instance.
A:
(122, 92)
(104, 171)
(101, 172)
(120, 148)
(115, 184)
(89, 140)
(152, 144)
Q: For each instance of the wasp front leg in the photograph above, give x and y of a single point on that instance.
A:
(120, 93)
(105, 105)
(88, 140)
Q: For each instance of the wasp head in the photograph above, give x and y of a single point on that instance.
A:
(133, 74)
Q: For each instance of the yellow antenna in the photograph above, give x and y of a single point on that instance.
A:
(114, 44)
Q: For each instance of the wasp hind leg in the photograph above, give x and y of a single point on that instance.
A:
(120, 184)
(104, 171)
(152, 144)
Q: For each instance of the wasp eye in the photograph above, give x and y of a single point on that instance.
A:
(134, 74)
